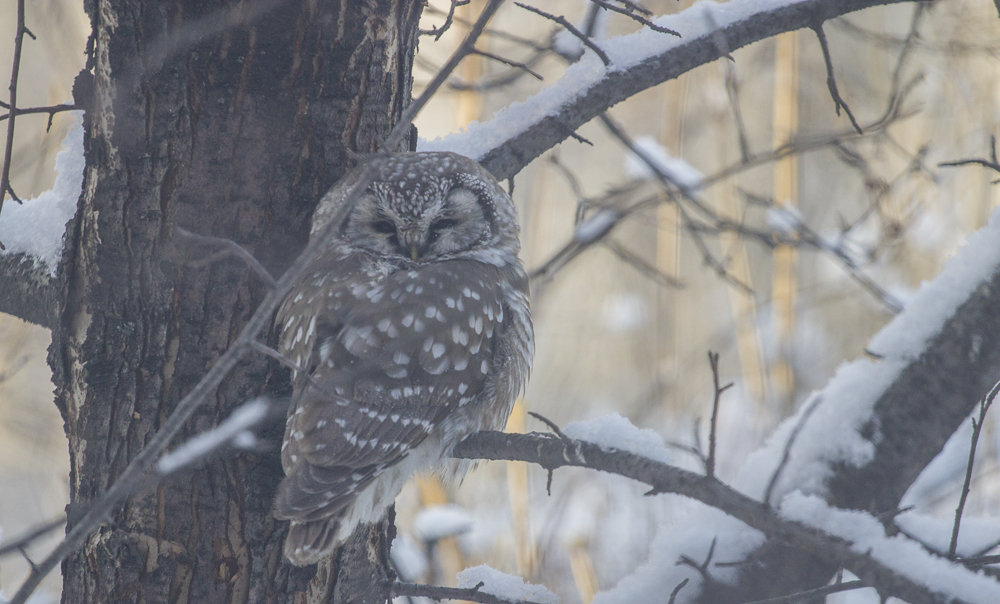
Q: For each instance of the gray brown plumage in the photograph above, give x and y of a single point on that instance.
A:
(414, 330)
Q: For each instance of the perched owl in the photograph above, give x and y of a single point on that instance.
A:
(414, 329)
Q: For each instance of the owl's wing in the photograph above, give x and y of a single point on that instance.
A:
(401, 356)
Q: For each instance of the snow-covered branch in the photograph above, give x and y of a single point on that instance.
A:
(32, 235)
(907, 581)
(523, 131)
(861, 441)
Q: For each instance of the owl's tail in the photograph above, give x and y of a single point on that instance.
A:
(309, 541)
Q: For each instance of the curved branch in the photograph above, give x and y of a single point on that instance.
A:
(552, 452)
(523, 131)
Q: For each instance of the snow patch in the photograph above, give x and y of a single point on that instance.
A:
(904, 556)
(230, 430)
(616, 432)
(504, 586)
(35, 228)
(439, 521)
(676, 170)
(935, 302)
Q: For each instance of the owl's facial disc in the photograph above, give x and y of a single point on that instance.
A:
(440, 226)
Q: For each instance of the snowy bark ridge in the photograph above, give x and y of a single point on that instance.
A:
(523, 131)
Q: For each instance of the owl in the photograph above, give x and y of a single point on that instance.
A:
(411, 331)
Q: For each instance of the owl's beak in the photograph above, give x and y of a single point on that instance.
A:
(412, 241)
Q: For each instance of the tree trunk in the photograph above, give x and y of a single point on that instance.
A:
(226, 119)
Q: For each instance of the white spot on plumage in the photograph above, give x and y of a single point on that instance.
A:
(437, 350)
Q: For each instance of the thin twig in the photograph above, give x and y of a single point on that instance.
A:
(787, 450)
(439, 593)
(12, 107)
(677, 588)
(732, 85)
(992, 163)
(630, 12)
(688, 191)
(400, 130)
(638, 263)
(810, 595)
(437, 32)
(977, 427)
(50, 109)
(713, 361)
(831, 80)
(229, 249)
(588, 42)
(15, 545)
(703, 566)
(506, 61)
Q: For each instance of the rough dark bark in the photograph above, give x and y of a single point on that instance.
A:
(35, 294)
(229, 120)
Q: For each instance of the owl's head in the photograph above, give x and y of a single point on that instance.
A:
(424, 207)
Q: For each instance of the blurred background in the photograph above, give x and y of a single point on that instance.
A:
(803, 255)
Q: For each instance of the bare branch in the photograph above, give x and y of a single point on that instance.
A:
(19, 543)
(5, 187)
(977, 428)
(49, 109)
(437, 32)
(831, 80)
(505, 61)
(587, 41)
(992, 163)
(630, 12)
(787, 450)
(713, 361)
(229, 248)
(810, 595)
(439, 593)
